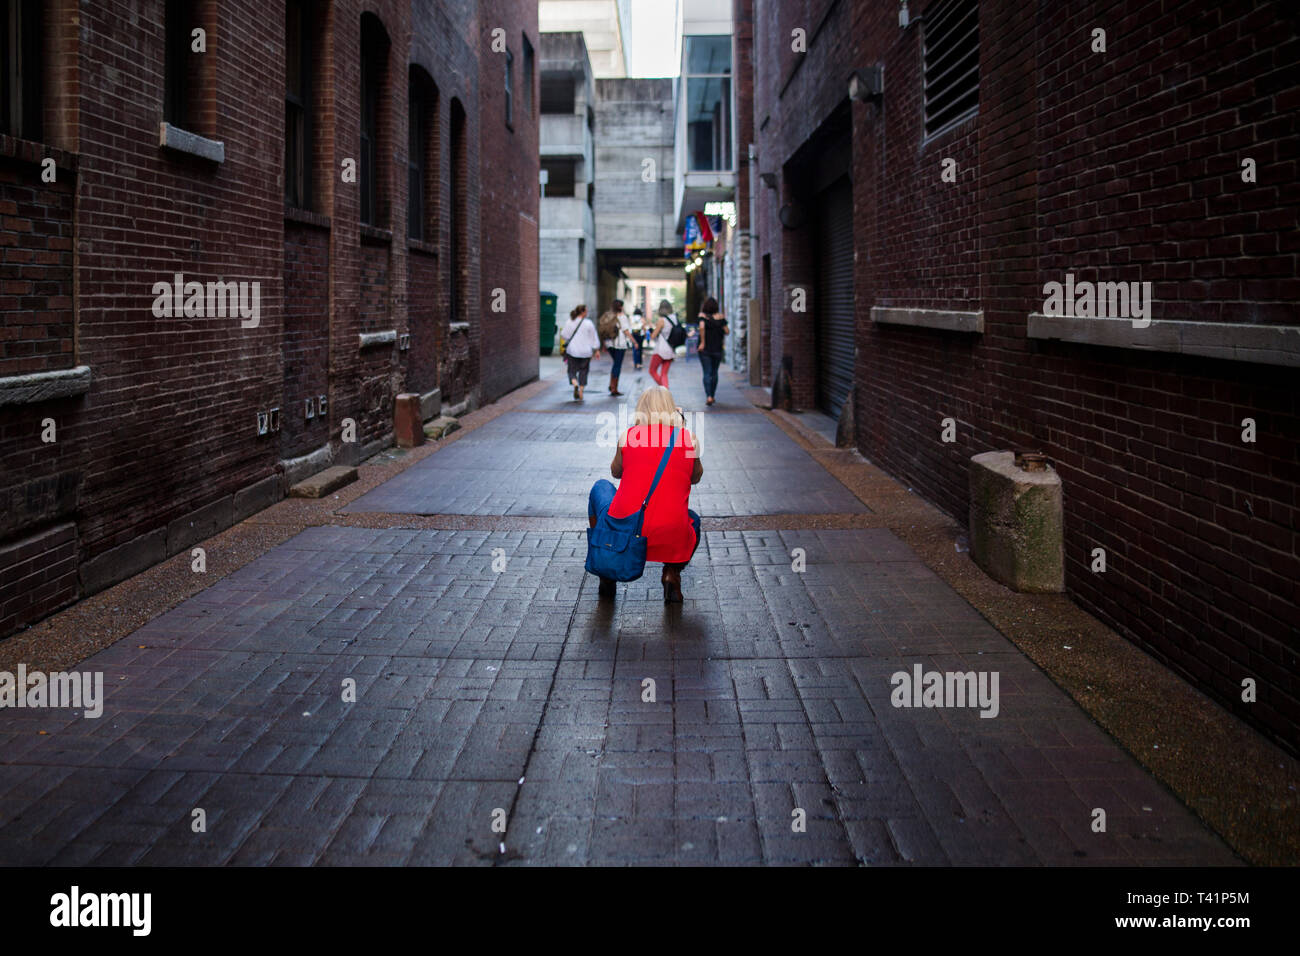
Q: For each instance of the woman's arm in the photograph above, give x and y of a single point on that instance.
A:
(616, 466)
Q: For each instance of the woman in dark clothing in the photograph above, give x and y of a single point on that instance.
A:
(713, 329)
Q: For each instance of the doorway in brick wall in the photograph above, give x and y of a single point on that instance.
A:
(833, 318)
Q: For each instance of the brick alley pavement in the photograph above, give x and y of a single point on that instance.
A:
(482, 689)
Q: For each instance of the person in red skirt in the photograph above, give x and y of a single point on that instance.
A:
(671, 529)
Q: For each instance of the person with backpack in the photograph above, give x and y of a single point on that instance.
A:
(614, 332)
(668, 335)
(581, 343)
(713, 329)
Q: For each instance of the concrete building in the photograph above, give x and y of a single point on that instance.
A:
(568, 223)
(923, 178)
(329, 164)
(634, 177)
(707, 160)
(604, 25)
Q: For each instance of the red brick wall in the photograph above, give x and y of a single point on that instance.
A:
(169, 423)
(1117, 166)
(37, 574)
(36, 329)
(426, 314)
(305, 344)
(509, 343)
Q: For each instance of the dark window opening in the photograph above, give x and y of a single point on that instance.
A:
(374, 62)
(557, 95)
(416, 161)
(952, 64)
(20, 47)
(179, 73)
(529, 78)
(561, 177)
(297, 97)
(455, 212)
(510, 89)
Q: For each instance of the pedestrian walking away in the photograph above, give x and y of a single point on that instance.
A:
(668, 334)
(670, 527)
(582, 343)
(615, 335)
(713, 331)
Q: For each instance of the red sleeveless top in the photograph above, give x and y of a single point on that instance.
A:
(670, 536)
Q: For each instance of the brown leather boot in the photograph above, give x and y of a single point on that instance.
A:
(672, 582)
(613, 386)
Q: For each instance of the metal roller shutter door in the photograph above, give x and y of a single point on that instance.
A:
(834, 320)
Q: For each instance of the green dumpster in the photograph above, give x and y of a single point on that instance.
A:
(548, 322)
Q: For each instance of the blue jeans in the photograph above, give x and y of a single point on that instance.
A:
(617, 356)
(709, 361)
(602, 494)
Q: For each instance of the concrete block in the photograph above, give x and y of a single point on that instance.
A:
(440, 427)
(844, 428)
(118, 564)
(1017, 523)
(253, 498)
(297, 469)
(44, 386)
(324, 483)
(431, 404)
(199, 524)
(408, 426)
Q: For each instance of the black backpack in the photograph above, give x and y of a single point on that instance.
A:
(676, 333)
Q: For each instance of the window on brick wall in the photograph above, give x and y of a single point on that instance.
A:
(420, 154)
(374, 69)
(297, 99)
(455, 209)
(180, 73)
(20, 46)
(952, 64)
(510, 89)
(529, 71)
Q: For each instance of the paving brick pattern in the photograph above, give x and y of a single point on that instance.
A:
(772, 694)
(516, 694)
(540, 464)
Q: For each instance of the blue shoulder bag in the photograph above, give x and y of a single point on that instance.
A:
(615, 546)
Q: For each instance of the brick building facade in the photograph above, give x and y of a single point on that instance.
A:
(1114, 157)
(342, 164)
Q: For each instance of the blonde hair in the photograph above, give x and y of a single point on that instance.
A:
(657, 412)
(655, 407)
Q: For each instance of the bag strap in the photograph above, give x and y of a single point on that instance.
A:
(663, 463)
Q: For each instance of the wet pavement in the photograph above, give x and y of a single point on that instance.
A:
(399, 696)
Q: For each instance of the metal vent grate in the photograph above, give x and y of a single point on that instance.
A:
(952, 64)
